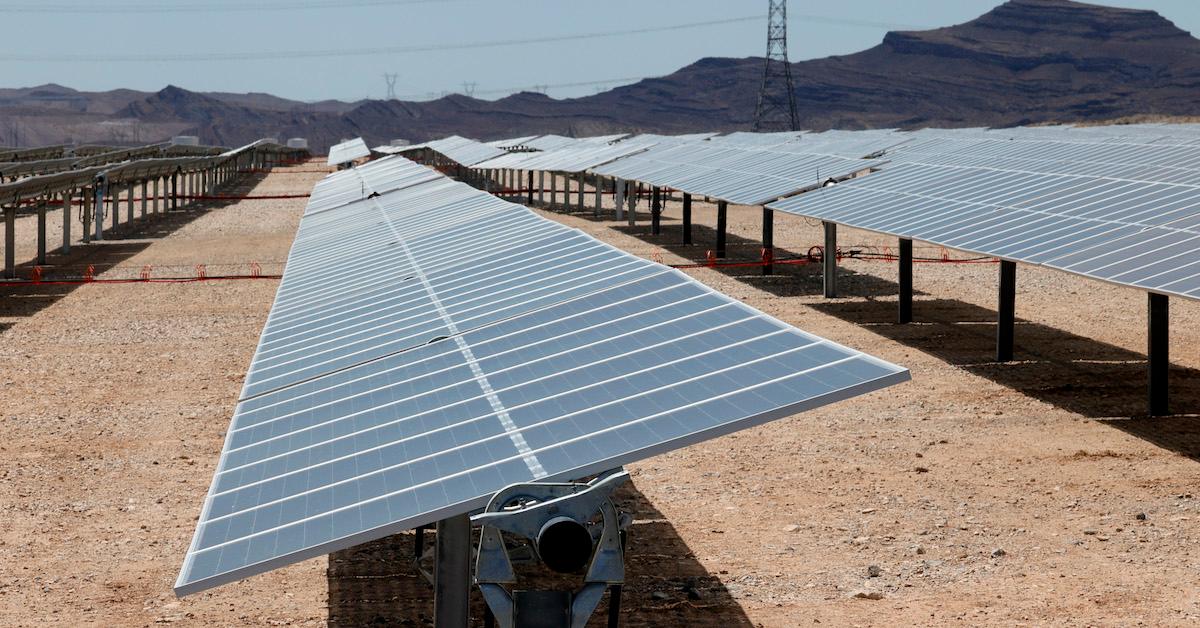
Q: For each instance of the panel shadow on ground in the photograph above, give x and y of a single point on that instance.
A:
(377, 583)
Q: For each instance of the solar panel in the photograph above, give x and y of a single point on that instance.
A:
(433, 344)
(578, 156)
(464, 151)
(377, 177)
(1136, 233)
(348, 151)
(745, 176)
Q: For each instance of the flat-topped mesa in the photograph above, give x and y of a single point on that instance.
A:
(1033, 28)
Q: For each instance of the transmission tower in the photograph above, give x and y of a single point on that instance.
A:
(776, 110)
(391, 83)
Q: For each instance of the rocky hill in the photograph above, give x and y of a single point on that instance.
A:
(1026, 61)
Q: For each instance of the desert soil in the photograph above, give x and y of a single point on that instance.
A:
(1028, 493)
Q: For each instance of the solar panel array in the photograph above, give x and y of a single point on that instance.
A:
(1137, 233)
(476, 345)
(348, 151)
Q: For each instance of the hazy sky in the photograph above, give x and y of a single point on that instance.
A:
(297, 48)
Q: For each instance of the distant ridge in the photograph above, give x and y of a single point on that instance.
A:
(1026, 61)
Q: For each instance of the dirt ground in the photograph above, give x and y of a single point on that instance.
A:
(1028, 493)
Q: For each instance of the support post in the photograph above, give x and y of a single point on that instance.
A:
(768, 240)
(631, 199)
(829, 260)
(41, 232)
(156, 207)
(656, 211)
(541, 188)
(529, 192)
(619, 199)
(145, 189)
(553, 188)
(722, 211)
(687, 218)
(129, 202)
(98, 211)
(87, 196)
(115, 201)
(599, 183)
(10, 242)
(1158, 352)
(174, 191)
(906, 281)
(581, 178)
(1007, 316)
(66, 205)
(452, 573)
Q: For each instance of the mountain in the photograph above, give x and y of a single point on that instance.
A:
(1026, 61)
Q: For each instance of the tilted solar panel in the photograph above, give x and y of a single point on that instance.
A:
(478, 345)
(348, 151)
(741, 175)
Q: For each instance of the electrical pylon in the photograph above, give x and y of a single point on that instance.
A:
(776, 110)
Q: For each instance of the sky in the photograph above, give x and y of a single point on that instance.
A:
(341, 49)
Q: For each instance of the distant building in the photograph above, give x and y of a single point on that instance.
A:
(297, 142)
(185, 140)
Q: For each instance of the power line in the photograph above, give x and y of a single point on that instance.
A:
(60, 8)
(363, 52)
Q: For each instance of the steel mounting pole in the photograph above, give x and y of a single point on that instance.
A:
(906, 281)
(655, 210)
(1006, 320)
(722, 210)
(829, 259)
(1158, 352)
(687, 218)
(768, 240)
(452, 573)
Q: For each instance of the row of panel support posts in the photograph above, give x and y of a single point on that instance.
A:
(1158, 337)
(655, 210)
(722, 211)
(687, 218)
(906, 281)
(768, 240)
(829, 260)
(1007, 317)
(452, 573)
